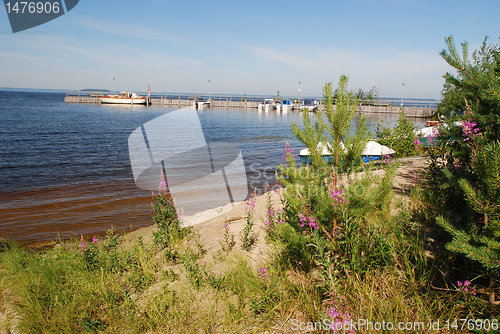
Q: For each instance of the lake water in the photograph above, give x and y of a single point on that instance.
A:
(65, 168)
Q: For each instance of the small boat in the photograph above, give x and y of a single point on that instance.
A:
(202, 102)
(373, 151)
(310, 105)
(123, 98)
(429, 131)
(326, 153)
(426, 136)
(267, 105)
(431, 123)
(286, 105)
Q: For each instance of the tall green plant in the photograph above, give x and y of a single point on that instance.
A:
(328, 205)
(168, 226)
(345, 149)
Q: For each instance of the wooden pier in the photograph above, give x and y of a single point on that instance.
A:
(180, 101)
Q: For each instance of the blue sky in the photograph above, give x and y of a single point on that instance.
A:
(252, 47)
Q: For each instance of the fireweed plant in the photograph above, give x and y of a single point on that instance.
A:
(227, 243)
(336, 209)
(248, 237)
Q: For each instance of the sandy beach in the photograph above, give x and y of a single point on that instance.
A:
(210, 223)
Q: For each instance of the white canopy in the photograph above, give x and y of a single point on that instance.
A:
(371, 148)
(374, 148)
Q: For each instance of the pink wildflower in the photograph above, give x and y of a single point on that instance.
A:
(162, 186)
(470, 130)
(264, 274)
(465, 286)
(82, 244)
(287, 150)
(338, 197)
(308, 222)
(250, 206)
(341, 322)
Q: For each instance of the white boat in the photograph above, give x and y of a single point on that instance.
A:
(429, 131)
(286, 105)
(310, 105)
(202, 102)
(123, 98)
(427, 136)
(267, 105)
(373, 151)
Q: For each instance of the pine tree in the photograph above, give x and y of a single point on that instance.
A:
(345, 149)
(326, 202)
(465, 166)
(479, 240)
(477, 83)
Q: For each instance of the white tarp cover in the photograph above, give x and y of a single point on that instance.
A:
(372, 148)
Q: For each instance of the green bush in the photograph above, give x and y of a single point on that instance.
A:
(401, 138)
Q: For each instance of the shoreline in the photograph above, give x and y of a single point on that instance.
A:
(209, 223)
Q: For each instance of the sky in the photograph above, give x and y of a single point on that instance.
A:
(246, 47)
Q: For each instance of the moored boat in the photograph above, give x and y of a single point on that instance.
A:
(267, 105)
(309, 105)
(202, 102)
(123, 98)
(374, 151)
(286, 105)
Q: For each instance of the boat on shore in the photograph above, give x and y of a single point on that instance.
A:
(123, 98)
(427, 135)
(373, 152)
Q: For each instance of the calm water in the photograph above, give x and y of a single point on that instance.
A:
(65, 170)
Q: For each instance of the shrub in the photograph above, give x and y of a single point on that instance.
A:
(332, 209)
(401, 138)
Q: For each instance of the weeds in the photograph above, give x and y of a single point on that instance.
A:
(227, 243)
(168, 228)
(248, 237)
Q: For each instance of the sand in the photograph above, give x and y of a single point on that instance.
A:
(210, 224)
